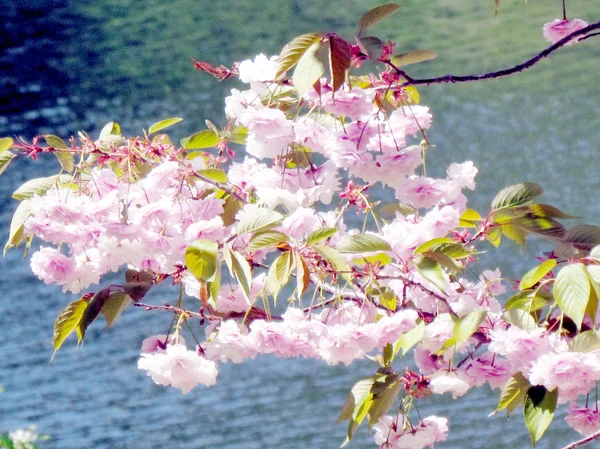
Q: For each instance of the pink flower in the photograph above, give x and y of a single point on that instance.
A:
(584, 420)
(179, 368)
(269, 132)
(573, 373)
(159, 343)
(52, 267)
(445, 381)
(394, 433)
(558, 29)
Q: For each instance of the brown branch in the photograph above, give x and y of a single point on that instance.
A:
(505, 72)
(171, 309)
(583, 441)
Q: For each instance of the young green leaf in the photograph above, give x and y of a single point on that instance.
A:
(384, 398)
(536, 274)
(469, 219)
(259, 219)
(413, 57)
(585, 341)
(310, 67)
(279, 272)
(572, 291)
(319, 235)
(513, 393)
(529, 300)
(5, 158)
(432, 271)
(16, 232)
(67, 321)
(266, 239)
(362, 243)
(38, 186)
(163, 124)
(465, 327)
(410, 338)
(92, 311)
(110, 129)
(203, 139)
(293, 51)
(375, 15)
(201, 259)
(66, 160)
(114, 306)
(523, 319)
(539, 408)
(213, 174)
(516, 195)
(359, 391)
(336, 259)
(5, 144)
(239, 268)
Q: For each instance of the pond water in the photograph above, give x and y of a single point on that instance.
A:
(68, 65)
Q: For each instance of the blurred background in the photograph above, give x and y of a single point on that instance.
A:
(70, 65)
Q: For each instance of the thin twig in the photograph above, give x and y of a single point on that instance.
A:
(505, 72)
(586, 440)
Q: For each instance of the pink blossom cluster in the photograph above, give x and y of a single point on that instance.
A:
(294, 163)
(397, 433)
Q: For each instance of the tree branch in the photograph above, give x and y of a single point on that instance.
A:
(583, 441)
(505, 72)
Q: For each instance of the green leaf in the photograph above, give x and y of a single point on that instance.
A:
(464, 328)
(362, 243)
(584, 237)
(5, 158)
(114, 306)
(381, 258)
(213, 174)
(110, 129)
(92, 311)
(520, 318)
(592, 305)
(529, 300)
(594, 272)
(539, 408)
(319, 235)
(413, 57)
(544, 227)
(536, 274)
(516, 195)
(67, 321)
(310, 67)
(469, 219)
(39, 186)
(432, 271)
(293, 51)
(336, 259)
(360, 390)
(302, 274)
(259, 219)
(5, 144)
(585, 341)
(230, 209)
(203, 139)
(66, 160)
(16, 233)
(543, 210)
(384, 399)
(279, 272)
(237, 135)
(201, 259)
(371, 46)
(340, 55)
(215, 287)
(163, 124)
(410, 338)
(443, 246)
(513, 393)
(239, 268)
(572, 291)
(55, 142)
(376, 14)
(266, 239)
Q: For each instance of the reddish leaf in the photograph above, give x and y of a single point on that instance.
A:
(340, 54)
